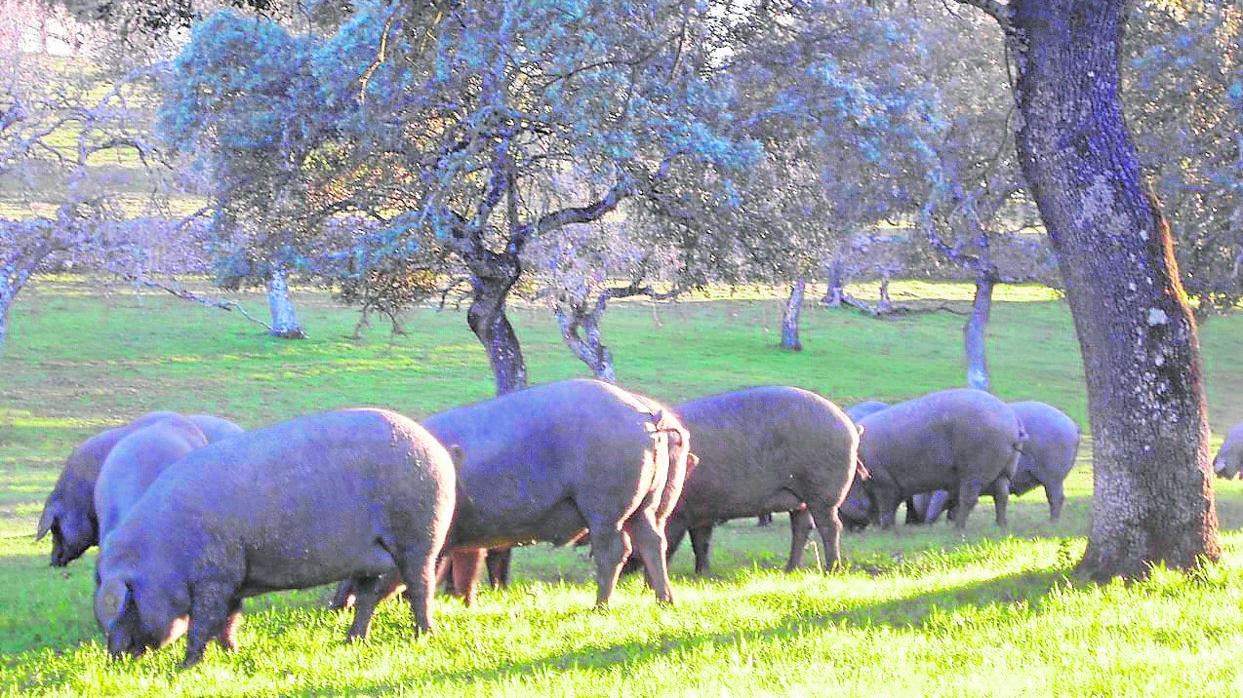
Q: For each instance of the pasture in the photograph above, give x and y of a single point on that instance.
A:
(917, 611)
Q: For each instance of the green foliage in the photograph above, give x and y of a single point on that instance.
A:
(918, 611)
(1184, 97)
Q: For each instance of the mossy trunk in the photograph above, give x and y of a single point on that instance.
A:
(974, 332)
(789, 321)
(490, 324)
(1153, 500)
(284, 316)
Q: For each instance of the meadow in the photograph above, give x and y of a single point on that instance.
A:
(920, 610)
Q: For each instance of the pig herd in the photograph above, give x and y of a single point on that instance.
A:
(193, 514)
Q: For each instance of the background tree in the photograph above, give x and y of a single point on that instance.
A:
(469, 114)
(243, 99)
(580, 271)
(845, 144)
(68, 153)
(1183, 91)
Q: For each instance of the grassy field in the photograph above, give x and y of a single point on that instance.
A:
(919, 610)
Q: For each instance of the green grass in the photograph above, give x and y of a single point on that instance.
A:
(919, 610)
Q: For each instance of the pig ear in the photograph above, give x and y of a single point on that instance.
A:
(110, 601)
(692, 460)
(457, 454)
(51, 512)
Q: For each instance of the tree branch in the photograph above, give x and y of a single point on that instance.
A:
(1002, 14)
(183, 293)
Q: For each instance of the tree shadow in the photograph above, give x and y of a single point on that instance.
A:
(910, 612)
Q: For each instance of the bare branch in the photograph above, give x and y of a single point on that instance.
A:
(1003, 14)
(183, 293)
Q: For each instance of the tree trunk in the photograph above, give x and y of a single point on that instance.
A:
(581, 331)
(789, 322)
(5, 301)
(1153, 498)
(284, 317)
(488, 321)
(973, 331)
(835, 294)
(884, 305)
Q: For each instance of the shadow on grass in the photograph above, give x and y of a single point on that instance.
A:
(907, 613)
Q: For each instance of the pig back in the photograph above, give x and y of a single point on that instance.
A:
(1052, 439)
(526, 452)
(303, 502)
(755, 442)
(934, 441)
(136, 461)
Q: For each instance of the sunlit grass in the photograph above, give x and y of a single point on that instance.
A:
(920, 611)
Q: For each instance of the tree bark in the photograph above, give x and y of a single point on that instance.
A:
(1153, 500)
(837, 290)
(789, 321)
(884, 304)
(973, 332)
(581, 331)
(284, 318)
(491, 281)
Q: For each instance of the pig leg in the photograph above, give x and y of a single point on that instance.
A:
(366, 598)
(228, 638)
(1001, 494)
(390, 586)
(210, 606)
(417, 565)
(887, 501)
(343, 599)
(701, 543)
(675, 530)
(829, 525)
(467, 565)
(938, 502)
(800, 531)
(649, 541)
(1053, 492)
(498, 566)
(609, 547)
(968, 495)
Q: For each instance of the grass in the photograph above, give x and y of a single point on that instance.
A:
(919, 610)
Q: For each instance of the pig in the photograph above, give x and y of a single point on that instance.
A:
(215, 428)
(763, 449)
(859, 410)
(854, 508)
(1048, 455)
(556, 462)
(1047, 458)
(960, 440)
(317, 499)
(69, 512)
(135, 462)
(1229, 457)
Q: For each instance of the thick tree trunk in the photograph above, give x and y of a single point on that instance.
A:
(487, 319)
(789, 321)
(973, 332)
(1153, 498)
(284, 317)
